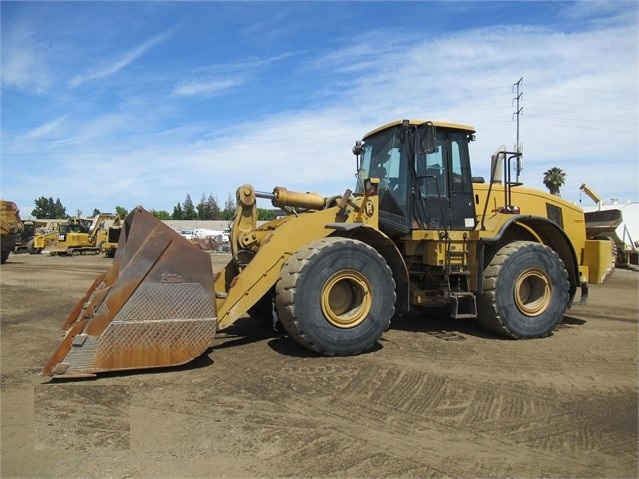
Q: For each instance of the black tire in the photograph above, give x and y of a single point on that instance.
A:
(526, 291)
(336, 296)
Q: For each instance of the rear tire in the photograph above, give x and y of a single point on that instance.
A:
(526, 291)
(336, 296)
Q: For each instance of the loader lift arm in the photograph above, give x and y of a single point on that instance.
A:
(236, 293)
(159, 304)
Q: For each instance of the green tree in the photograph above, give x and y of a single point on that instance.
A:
(161, 215)
(207, 208)
(554, 179)
(229, 208)
(178, 214)
(59, 211)
(213, 207)
(201, 208)
(46, 208)
(122, 212)
(265, 215)
(43, 207)
(188, 209)
(96, 212)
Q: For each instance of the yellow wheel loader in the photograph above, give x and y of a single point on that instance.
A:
(417, 232)
(32, 229)
(109, 244)
(45, 236)
(11, 227)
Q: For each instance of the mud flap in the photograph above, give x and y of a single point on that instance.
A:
(153, 308)
(584, 294)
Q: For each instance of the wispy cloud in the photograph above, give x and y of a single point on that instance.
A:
(205, 87)
(46, 129)
(214, 79)
(108, 68)
(600, 11)
(23, 57)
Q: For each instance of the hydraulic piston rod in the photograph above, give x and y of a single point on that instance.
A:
(282, 198)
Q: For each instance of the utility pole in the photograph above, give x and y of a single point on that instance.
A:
(519, 165)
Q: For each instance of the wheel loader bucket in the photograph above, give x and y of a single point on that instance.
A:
(153, 308)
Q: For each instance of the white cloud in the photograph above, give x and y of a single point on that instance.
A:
(458, 78)
(579, 100)
(205, 87)
(214, 79)
(599, 11)
(24, 57)
(45, 129)
(108, 68)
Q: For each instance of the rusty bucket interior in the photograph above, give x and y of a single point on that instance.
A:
(153, 308)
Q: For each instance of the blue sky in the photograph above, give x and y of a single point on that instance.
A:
(110, 104)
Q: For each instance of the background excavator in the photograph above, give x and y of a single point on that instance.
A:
(80, 236)
(417, 232)
(32, 229)
(46, 236)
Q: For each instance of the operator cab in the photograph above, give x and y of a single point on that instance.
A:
(424, 172)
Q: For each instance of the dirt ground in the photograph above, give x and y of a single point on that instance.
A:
(436, 398)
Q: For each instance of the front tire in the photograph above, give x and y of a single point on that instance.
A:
(336, 296)
(526, 291)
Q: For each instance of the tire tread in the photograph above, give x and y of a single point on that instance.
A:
(286, 290)
(488, 312)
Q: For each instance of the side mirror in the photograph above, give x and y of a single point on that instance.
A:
(497, 164)
(427, 141)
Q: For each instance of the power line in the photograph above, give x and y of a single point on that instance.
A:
(615, 92)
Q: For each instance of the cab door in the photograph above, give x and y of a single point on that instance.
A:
(462, 205)
(444, 183)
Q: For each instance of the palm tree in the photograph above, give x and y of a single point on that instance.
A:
(554, 179)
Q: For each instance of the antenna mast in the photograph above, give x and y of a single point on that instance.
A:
(518, 166)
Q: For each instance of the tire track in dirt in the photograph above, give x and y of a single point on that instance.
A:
(346, 393)
(419, 405)
(82, 416)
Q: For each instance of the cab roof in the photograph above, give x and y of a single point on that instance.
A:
(442, 124)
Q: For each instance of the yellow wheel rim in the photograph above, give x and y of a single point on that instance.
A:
(346, 299)
(533, 292)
